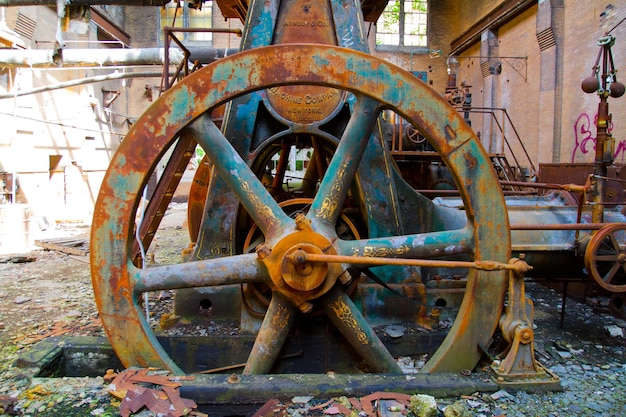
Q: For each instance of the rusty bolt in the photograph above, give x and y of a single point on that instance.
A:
(301, 221)
(526, 336)
(298, 257)
(263, 251)
(306, 307)
(345, 278)
(233, 379)
(520, 265)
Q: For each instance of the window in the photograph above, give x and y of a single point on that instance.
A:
(403, 23)
(188, 18)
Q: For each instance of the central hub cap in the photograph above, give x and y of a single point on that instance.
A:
(297, 279)
(299, 274)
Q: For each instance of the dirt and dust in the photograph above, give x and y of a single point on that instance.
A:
(47, 293)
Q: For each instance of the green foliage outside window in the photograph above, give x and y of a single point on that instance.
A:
(403, 23)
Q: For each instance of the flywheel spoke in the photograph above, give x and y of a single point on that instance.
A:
(423, 245)
(608, 277)
(607, 258)
(278, 320)
(252, 194)
(614, 242)
(340, 173)
(350, 322)
(212, 272)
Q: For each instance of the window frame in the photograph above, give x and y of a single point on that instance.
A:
(184, 17)
(401, 31)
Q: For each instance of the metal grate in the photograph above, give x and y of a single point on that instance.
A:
(25, 26)
(546, 39)
(490, 67)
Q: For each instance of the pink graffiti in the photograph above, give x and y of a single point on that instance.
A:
(585, 142)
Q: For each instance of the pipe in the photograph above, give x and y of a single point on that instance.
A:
(557, 226)
(17, 3)
(87, 80)
(204, 55)
(38, 58)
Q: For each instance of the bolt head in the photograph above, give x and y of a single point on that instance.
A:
(301, 221)
(345, 278)
(306, 307)
(263, 251)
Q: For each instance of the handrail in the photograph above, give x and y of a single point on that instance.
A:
(399, 126)
(501, 127)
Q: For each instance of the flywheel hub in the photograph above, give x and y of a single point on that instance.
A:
(300, 274)
(299, 280)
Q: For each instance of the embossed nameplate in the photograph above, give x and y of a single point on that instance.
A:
(304, 21)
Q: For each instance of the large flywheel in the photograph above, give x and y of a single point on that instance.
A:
(288, 260)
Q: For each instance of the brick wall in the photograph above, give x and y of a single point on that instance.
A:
(585, 23)
(471, 11)
(554, 118)
(141, 25)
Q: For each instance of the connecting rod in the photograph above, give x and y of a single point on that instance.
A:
(300, 257)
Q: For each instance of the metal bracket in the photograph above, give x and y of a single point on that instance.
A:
(519, 368)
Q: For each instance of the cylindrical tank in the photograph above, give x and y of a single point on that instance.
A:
(551, 253)
(15, 228)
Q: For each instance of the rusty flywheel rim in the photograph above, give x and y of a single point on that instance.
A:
(118, 284)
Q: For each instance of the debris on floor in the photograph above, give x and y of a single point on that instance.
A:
(7, 405)
(17, 259)
(378, 404)
(152, 389)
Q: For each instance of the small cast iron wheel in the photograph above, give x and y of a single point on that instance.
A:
(376, 85)
(605, 259)
(301, 205)
(414, 135)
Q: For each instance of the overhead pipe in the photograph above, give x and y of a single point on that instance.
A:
(82, 81)
(17, 3)
(200, 54)
(39, 58)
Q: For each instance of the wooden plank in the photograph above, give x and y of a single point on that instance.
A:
(72, 246)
